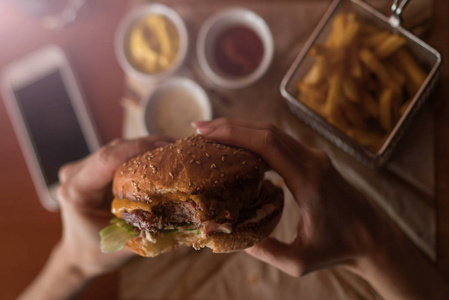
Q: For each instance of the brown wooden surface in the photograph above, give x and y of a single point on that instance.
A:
(28, 231)
(440, 39)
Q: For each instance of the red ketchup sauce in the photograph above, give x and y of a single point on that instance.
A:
(238, 51)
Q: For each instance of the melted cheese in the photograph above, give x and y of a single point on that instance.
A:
(119, 205)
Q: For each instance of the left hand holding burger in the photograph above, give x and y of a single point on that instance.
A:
(84, 197)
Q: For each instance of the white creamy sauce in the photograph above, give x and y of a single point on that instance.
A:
(174, 112)
(212, 226)
(151, 237)
(261, 213)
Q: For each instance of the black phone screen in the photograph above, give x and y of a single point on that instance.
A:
(52, 124)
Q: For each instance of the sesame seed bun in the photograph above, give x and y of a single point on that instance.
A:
(194, 165)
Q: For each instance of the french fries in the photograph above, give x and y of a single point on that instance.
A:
(386, 109)
(389, 46)
(362, 81)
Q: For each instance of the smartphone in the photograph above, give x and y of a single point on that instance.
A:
(49, 115)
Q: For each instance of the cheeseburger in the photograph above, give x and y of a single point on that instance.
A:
(195, 192)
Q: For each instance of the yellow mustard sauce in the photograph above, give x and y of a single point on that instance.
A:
(153, 44)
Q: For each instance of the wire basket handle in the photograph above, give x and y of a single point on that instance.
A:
(396, 10)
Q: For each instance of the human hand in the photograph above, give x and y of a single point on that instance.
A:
(336, 224)
(85, 197)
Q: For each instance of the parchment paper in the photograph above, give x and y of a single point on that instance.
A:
(405, 189)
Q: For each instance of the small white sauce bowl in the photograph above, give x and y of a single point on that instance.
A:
(131, 20)
(186, 85)
(210, 31)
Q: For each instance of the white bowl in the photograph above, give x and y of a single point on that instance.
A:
(134, 17)
(175, 117)
(210, 31)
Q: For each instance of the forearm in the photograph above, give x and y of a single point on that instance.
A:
(399, 271)
(60, 279)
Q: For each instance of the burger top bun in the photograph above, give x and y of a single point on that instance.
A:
(194, 165)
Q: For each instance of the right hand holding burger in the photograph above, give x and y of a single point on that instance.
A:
(338, 226)
(331, 229)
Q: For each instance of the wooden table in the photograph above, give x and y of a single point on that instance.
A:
(28, 231)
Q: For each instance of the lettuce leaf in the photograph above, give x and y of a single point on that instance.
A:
(115, 236)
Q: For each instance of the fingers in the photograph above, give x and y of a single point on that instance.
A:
(285, 155)
(279, 255)
(212, 125)
(84, 182)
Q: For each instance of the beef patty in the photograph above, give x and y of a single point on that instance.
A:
(163, 216)
(169, 215)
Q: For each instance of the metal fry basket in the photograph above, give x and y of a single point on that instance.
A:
(428, 58)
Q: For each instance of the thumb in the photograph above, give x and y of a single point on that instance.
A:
(279, 255)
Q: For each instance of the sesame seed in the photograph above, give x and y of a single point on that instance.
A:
(143, 176)
(170, 173)
(244, 162)
(190, 183)
(178, 151)
(198, 188)
(223, 158)
(145, 166)
(207, 154)
(124, 164)
(216, 181)
(213, 166)
(192, 161)
(198, 162)
(121, 172)
(134, 172)
(222, 175)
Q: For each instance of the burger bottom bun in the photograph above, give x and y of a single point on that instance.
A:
(242, 236)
